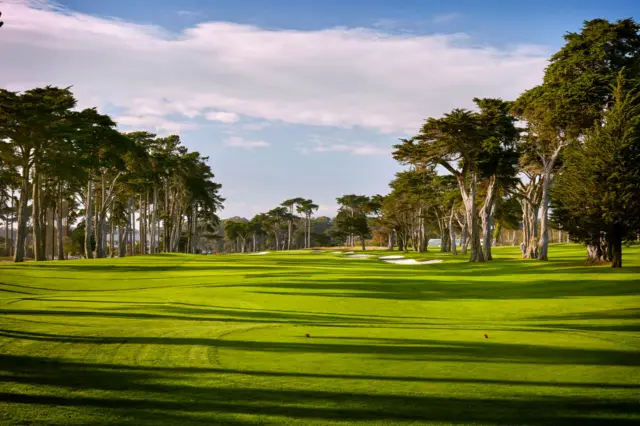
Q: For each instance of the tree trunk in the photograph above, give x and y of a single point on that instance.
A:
(154, 218)
(141, 222)
(593, 253)
(6, 235)
(476, 249)
(59, 226)
(112, 249)
(543, 243)
(391, 243)
(11, 250)
(487, 219)
(36, 216)
(616, 244)
(464, 238)
(21, 234)
(485, 213)
(146, 222)
(88, 221)
(122, 242)
(132, 227)
(452, 234)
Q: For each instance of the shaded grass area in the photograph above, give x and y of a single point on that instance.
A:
(179, 339)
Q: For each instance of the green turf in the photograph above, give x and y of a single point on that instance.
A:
(178, 339)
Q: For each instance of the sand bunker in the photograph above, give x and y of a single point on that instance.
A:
(348, 252)
(359, 256)
(259, 253)
(396, 256)
(336, 252)
(413, 262)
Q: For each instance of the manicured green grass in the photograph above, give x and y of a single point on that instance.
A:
(177, 339)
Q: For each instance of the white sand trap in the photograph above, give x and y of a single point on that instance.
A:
(349, 252)
(413, 262)
(259, 253)
(359, 256)
(396, 256)
(336, 252)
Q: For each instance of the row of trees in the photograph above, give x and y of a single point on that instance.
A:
(569, 145)
(61, 165)
(279, 229)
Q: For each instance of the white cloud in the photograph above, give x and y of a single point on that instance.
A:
(155, 124)
(254, 127)
(239, 142)
(356, 149)
(223, 117)
(333, 77)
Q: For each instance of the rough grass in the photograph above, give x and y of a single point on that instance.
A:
(176, 340)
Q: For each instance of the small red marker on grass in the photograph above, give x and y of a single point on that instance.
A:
(486, 336)
(308, 335)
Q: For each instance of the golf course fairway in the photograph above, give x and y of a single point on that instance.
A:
(194, 339)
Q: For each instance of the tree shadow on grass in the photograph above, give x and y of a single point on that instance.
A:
(417, 289)
(400, 349)
(624, 313)
(145, 394)
(221, 315)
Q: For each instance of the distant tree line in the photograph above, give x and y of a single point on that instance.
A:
(60, 166)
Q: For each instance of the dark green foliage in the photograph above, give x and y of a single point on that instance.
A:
(600, 186)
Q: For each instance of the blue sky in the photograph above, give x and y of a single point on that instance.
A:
(287, 98)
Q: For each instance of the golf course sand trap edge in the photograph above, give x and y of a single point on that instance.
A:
(359, 256)
(259, 253)
(336, 252)
(413, 262)
(397, 256)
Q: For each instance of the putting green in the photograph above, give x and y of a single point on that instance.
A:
(183, 339)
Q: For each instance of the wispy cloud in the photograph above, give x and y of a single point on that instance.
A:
(239, 142)
(254, 127)
(355, 149)
(155, 124)
(446, 17)
(223, 117)
(335, 77)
